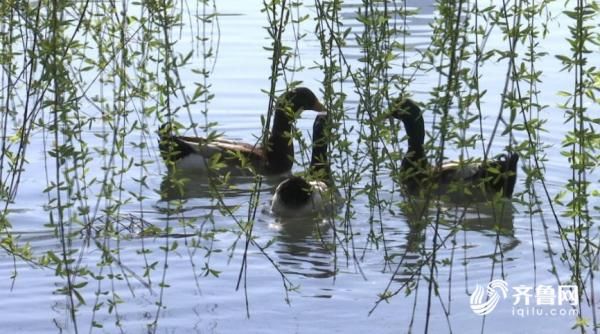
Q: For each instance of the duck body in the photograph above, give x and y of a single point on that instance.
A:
(475, 181)
(458, 182)
(276, 157)
(196, 154)
(299, 196)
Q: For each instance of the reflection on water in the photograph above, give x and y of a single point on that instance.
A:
(490, 215)
(452, 225)
(302, 246)
(200, 195)
(175, 187)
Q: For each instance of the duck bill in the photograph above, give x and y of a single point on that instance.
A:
(320, 107)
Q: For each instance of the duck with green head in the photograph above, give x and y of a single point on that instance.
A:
(193, 154)
(461, 182)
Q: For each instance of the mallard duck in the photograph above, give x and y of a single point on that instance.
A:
(464, 182)
(299, 196)
(276, 158)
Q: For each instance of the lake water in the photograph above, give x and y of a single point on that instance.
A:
(336, 270)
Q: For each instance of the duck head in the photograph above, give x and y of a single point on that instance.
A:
(407, 111)
(300, 99)
(294, 192)
(290, 105)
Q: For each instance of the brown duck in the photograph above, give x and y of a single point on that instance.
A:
(277, 157)
(460, 182)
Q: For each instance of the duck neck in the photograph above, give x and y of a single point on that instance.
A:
(415, 130)
(280, 146)
(319, 162)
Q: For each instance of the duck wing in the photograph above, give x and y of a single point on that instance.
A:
(454, 171)
(226, 147)
(494, 176)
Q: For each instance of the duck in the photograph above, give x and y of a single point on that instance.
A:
(458, 182)
(300, 196)
(275, 158)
